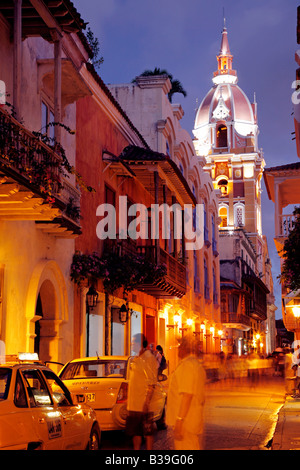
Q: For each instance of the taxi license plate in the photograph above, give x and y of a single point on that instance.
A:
(90, 397)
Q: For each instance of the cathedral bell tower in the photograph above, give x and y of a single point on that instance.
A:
(225, 141)
(226, 135)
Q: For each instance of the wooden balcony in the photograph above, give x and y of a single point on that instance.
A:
(172, 286)
(236, 320)
(32, 185)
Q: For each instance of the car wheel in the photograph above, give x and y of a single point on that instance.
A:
(95, 438)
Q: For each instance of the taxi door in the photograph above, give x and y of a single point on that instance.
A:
(46, 419)
(75, 428)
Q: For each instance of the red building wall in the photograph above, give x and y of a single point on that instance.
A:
(96, 133)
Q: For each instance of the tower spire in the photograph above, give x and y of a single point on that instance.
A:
(225, 60)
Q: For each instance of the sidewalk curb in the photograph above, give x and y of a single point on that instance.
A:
(287, 431)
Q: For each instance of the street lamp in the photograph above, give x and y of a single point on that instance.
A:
(123, 314)
(176, 319)
(91, 299)
(291, 303)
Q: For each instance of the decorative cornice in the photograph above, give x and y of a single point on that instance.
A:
(154, 81)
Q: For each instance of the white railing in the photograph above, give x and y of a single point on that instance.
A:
(286, 224)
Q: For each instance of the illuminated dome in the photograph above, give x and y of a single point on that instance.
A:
(225, 118)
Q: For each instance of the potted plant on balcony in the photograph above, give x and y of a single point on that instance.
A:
(126, 271)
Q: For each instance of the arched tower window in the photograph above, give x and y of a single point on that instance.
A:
(223, 213)
(221, 136)
(223, 186)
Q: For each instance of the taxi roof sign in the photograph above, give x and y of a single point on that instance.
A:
(25, 356)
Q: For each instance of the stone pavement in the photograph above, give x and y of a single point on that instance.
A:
(287, 431)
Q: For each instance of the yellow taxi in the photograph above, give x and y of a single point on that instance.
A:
(37, 410)
(102, 382)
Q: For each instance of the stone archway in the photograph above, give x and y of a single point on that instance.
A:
(46, 310)
(46, 327)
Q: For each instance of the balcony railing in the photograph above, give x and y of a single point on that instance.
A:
(286, 224)
(174, 283)
(236, 319)
(27, 157)
(30, 169)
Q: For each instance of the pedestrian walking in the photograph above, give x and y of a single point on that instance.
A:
(186, 397)
(142, 380)
(289, 374)
(161, 360)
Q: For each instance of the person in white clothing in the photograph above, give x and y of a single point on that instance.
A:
(186, 398)
(142, 380)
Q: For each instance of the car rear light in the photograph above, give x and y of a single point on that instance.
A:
(123, 393)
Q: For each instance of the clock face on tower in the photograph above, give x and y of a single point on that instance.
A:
(221, 111)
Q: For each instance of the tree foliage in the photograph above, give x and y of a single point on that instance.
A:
(97, 60)
(290, 272)
(176, 85)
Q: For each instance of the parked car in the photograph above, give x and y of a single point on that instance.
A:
(37, 411)
(102, 382)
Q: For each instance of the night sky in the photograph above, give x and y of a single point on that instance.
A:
(184, 38)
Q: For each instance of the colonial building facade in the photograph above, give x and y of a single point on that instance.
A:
(226, 135)
(282, 183)
(42, 51)
(197, 309)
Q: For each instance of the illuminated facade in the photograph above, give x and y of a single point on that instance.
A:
(38, 223)
(226, 135)
(198, 310)
(282, 184)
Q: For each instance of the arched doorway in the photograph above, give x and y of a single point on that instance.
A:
(37, 329)
(47, 311)
(46, 322)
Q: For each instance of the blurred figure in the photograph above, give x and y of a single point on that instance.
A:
(289, 374)
(142, 380)
(186, 397)
(161, 360)
(253, 371)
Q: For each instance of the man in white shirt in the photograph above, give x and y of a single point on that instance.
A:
(186, 397)
(142, 380)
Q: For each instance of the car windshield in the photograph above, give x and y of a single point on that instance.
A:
(96, 368)
(5, 375)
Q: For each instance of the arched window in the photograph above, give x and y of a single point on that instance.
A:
(223, 213)
(215, 292)
(205, 223)
(222, 136)
(223, 186)
(196, 273)
(167, 148)
(206, 281)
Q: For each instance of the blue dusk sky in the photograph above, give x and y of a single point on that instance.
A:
(184, 38)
